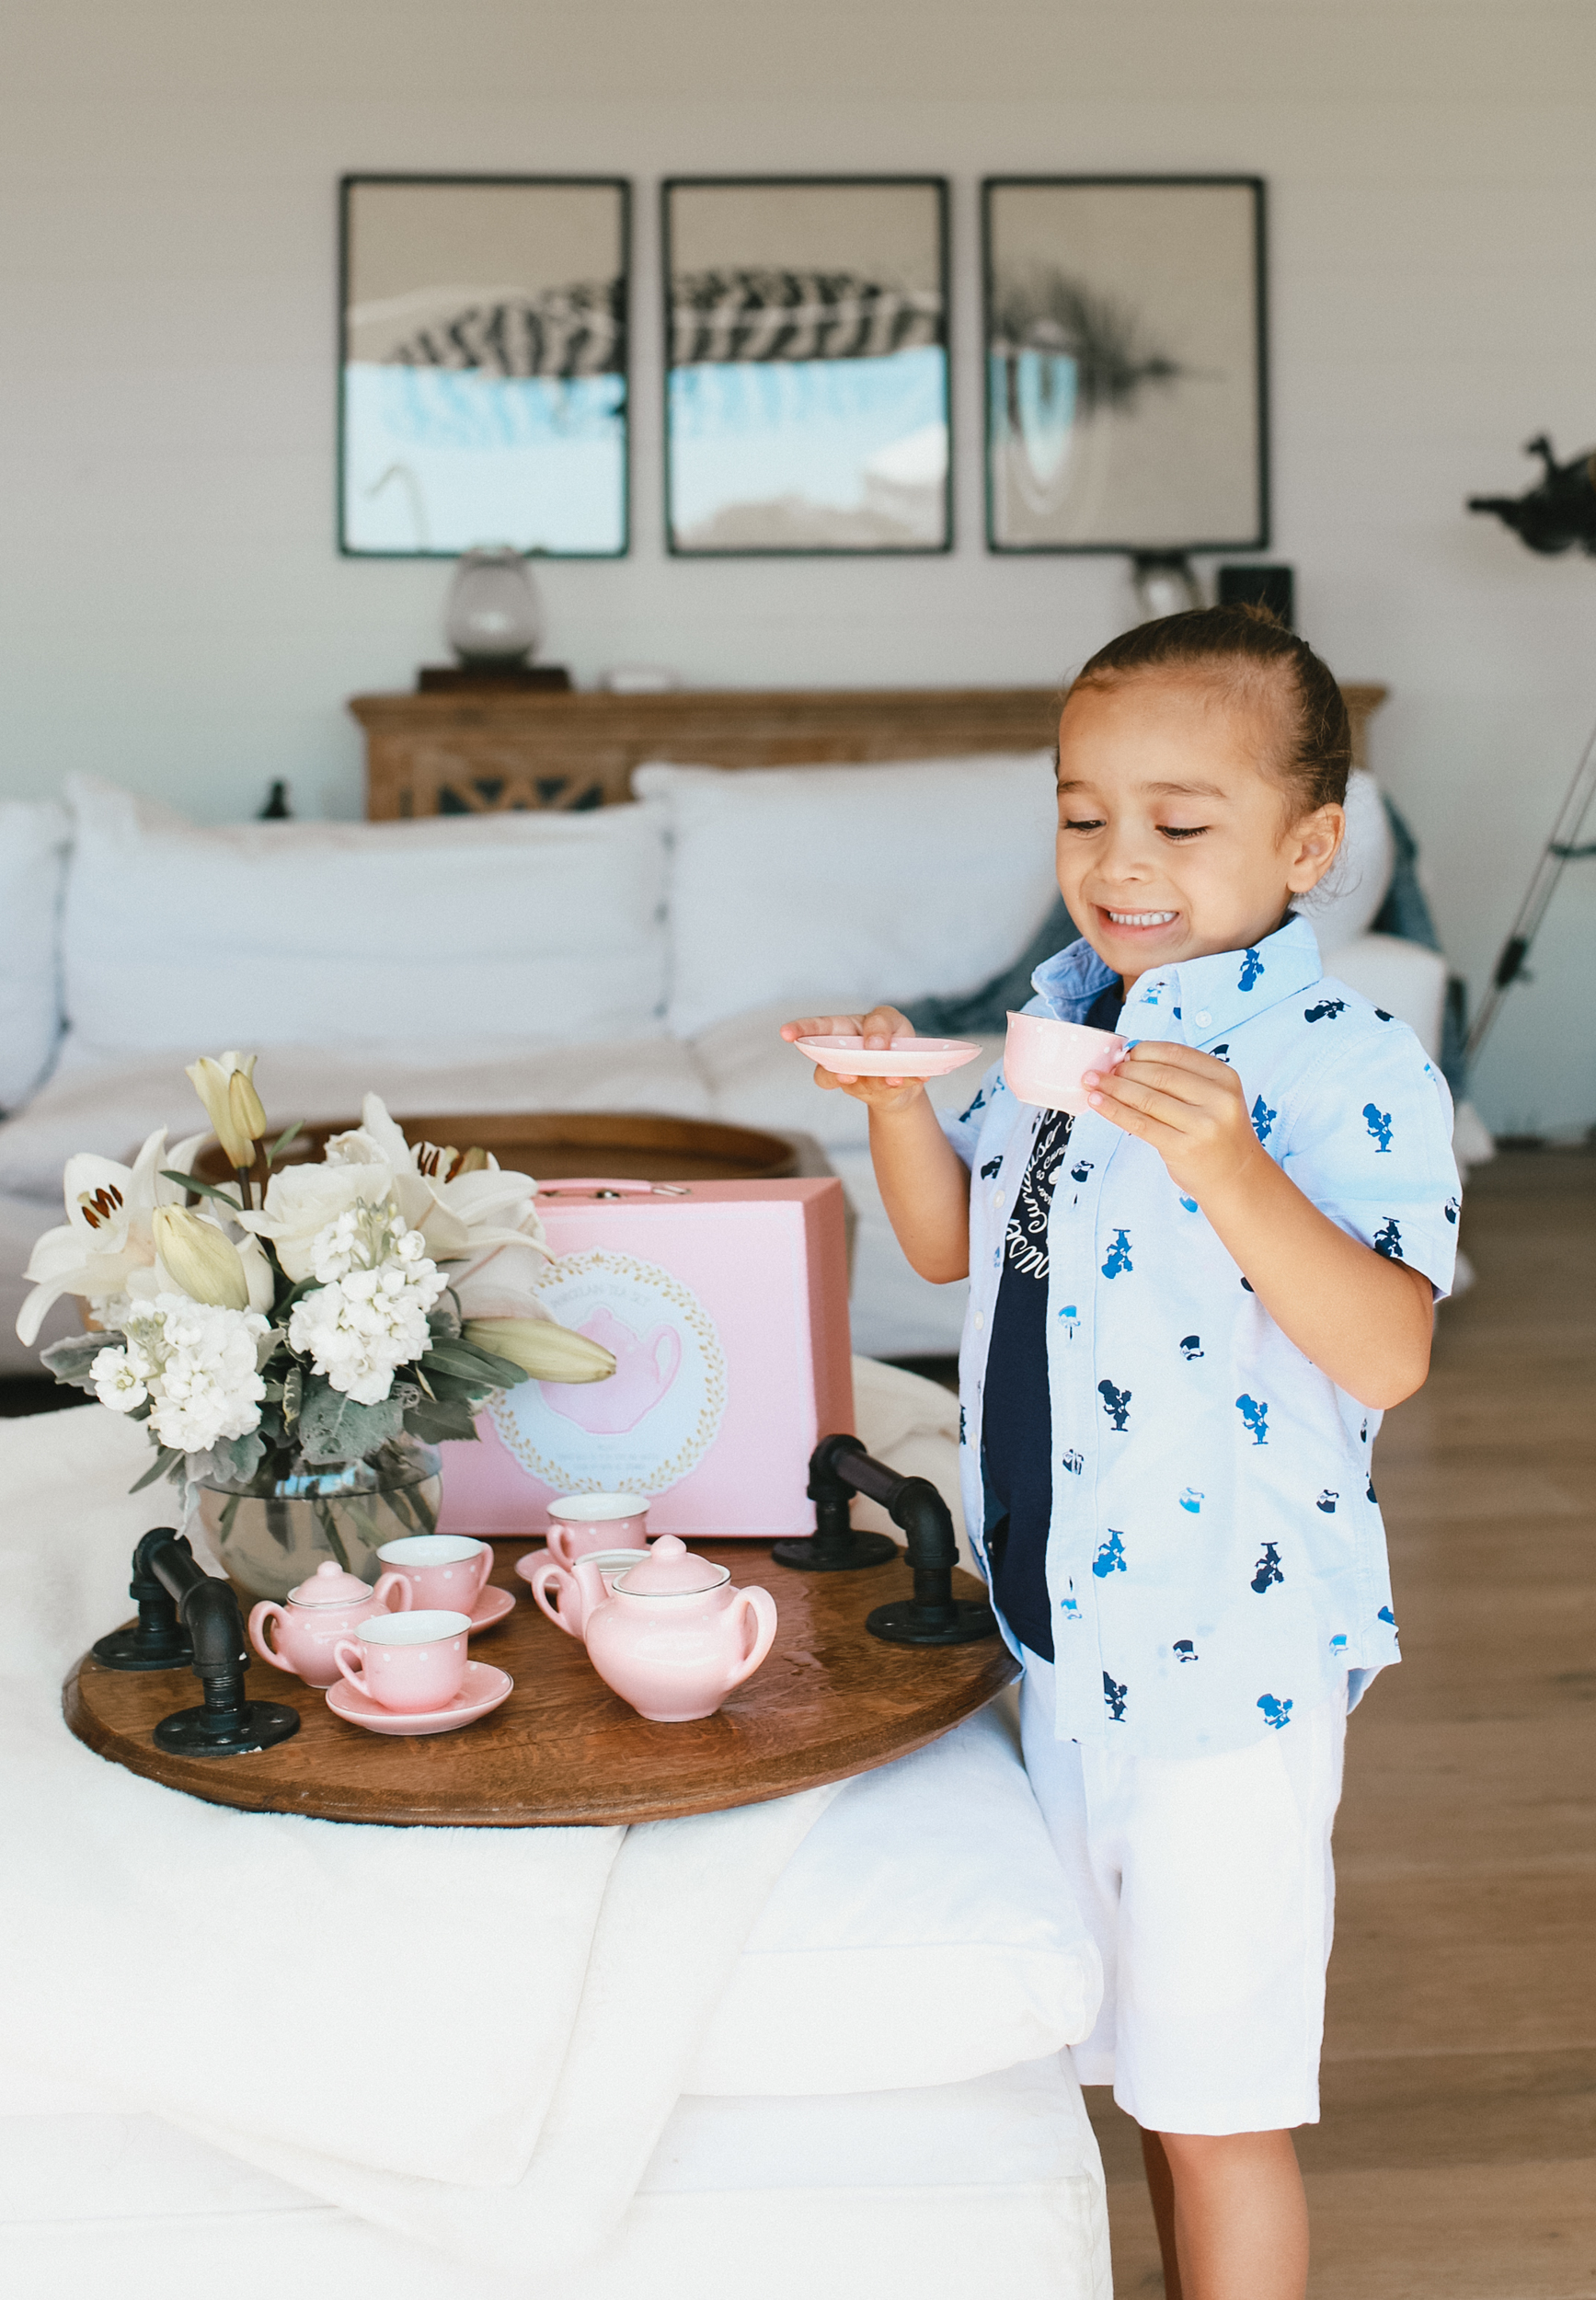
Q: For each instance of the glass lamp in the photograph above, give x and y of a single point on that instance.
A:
(493, 617)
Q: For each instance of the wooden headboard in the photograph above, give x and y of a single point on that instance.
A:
(505, 749)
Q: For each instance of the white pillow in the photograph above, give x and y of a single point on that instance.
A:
(1345, 903)
(34, 836)
(543, 926)
(830, 886)
(921, 1934)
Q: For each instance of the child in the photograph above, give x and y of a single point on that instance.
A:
(1188, 1310)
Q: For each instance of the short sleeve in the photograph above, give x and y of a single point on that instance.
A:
(964, 1130)
(1370, 1142)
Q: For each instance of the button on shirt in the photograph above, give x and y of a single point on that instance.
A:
(1215, 1556)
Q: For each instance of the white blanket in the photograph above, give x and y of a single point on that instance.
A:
(311, 1995)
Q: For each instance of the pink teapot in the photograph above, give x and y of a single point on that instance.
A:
(669, 1635)
(329, 1606)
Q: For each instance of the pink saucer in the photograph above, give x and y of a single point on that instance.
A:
(526, 1566)
(905, 1058)
(491, 1606)
(484, 1689)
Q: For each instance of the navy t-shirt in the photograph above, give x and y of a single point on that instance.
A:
(1017, 1434)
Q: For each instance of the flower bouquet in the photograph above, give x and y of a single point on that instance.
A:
(299, 1342)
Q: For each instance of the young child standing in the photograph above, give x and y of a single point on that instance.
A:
(1188, 1311)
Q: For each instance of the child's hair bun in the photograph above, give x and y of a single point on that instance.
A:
(1250, 647)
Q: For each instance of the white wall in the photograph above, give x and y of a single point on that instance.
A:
(174, 613)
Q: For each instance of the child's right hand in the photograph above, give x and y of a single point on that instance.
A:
(879, 1028)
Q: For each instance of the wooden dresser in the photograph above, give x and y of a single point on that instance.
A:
(498, 750)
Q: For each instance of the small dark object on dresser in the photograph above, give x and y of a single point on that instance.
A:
(552, 678)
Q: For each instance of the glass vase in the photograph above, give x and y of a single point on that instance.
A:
(270, 1533)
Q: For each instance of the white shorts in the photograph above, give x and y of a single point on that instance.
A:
(1207, 1885)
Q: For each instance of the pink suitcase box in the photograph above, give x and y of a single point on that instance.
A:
(726, 1304)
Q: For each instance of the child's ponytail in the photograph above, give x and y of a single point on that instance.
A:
(1247, 646)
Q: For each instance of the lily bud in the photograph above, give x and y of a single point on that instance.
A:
(213, 1083)
(243, 1106)
(547, 1351)
(206, 1265)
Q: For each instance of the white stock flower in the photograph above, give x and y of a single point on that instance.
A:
(301, 1201)
(107, 1237)
(368, 1314)
(484, 1223)
(198, 1366)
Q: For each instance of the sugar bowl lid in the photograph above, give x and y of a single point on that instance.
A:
(330, 1586)
(671, 1570)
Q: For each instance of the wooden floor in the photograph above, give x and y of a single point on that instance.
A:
(1457, 2151)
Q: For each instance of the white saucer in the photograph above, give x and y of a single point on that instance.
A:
(484, 1689)
(905, 1058)
(491, 1606)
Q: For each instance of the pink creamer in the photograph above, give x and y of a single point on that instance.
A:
(726, 1306)
(331, 1604)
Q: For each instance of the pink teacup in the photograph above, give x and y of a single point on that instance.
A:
(1043, 1060)
(411, 1662)
(432, 1570)
(558, 1593)
(581, 1522)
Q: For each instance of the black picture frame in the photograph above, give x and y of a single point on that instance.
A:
(937, 187)
(1249, 535)
(620, 186)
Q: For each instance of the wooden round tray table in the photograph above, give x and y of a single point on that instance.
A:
(830, 1701)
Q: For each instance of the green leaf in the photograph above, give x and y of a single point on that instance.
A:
(457, 1385)
(466, 1359)
(166, 1461)
(293, 1393)
(229, 1196)
(283, 1139)
(435, 1420)
(70, 1361)
(333, 1428)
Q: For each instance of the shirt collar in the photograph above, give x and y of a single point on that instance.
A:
(1203, 998)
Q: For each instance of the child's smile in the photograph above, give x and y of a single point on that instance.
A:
(1175, 839)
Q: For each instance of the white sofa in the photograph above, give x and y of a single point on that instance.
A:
(638, 958)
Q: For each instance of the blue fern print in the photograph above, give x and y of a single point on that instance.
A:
(1191, 1347)
(1263, 1118)
(1118, 1255)
(963, 1439)
(1372, 1493)
(1074, 1461)
(1269, 1570)
(1185, 1650)
(1252, 967)
(1450, 1210)
(1339, 1642)
(1110, 1558)
(1115, 1696)
(1388, 1240)
(1327, 1501)
(1386, 1616)
(1191, 1204)
(1325, 1011)
(1176, 1012)
(1381, 1015)
(993, 1166)
(1379, 1126)
(979, 1104)
(1256, 1414)
(1070, 1606)
(1116, 1404)
(1246, 1285)
(1276, 1713)
(1191, 1500)
(1221, 1053)
(1079, 1173)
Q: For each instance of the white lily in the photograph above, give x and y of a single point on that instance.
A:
(107, 1239)
(481, 1221)
(227, 1090)
(301, 1200)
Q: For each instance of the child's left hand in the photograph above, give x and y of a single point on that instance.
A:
(1190, 1107)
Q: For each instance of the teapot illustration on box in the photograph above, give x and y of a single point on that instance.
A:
(646, 1366)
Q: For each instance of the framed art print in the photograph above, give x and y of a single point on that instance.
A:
(482, 385)
(1126, 371)
(806, 365)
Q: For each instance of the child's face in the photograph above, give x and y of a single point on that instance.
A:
(1173, 840)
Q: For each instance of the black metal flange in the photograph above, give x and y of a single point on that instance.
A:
(205, 1609)
(933, 1616)
(159, 1640)
(835, 1545)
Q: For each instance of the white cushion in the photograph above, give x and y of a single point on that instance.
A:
(1347, 900)
(257, 933)
(826, 887)
(34, 837)
(921, 1934)
(1403, 978)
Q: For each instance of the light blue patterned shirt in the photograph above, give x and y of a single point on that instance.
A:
(1216, 1559)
